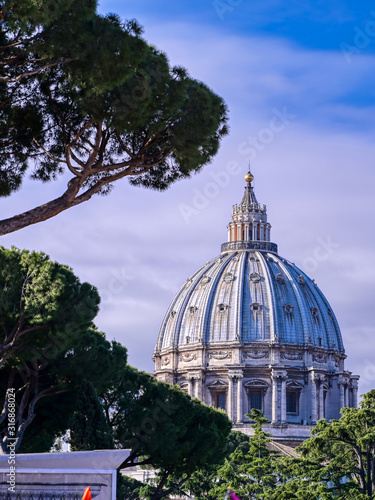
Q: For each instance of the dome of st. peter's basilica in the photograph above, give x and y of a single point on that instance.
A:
(249, 329)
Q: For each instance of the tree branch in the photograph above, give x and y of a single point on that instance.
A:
(8, 79)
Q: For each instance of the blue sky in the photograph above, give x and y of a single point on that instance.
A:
(308, 67)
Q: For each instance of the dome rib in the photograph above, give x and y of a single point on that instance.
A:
(240, 297)
(211, 298)
(194, 282)
(298, 300)
(274, 333)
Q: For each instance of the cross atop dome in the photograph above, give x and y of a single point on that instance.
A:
(249, 227)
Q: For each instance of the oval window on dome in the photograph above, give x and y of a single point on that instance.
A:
(280, 278)
(192, 310)
(288, 308)
(228, 278)
(254, 277)
(205, 279)
(222, 307)
(255, 306)
(314, 311)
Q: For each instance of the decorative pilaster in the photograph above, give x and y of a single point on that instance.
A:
(274, 400)
(346, 394)
(342, 395)
(239, 232)
(321, 396)
(232, 238)
(283, 379)
(199, 388)
(230, 397)
(314, 409)
(262, 237)
(247, 231)
(195, 384)
(234, 395)
(354, 384)
(279, 396)
(239, 399)
(343, 383)
(191, 387)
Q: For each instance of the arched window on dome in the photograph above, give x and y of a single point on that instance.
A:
(222, 308)
(256, 307)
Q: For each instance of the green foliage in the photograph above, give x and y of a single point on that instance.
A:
(128, 488)
(251, 474)
(33, 35)
(346, 447)
(336, 463)
(238, 441)
(164, 427)
(89, 429)
(38, 294)
(48, 345)
(85, 94)
(93, 357)
(200, 483)
(258, 472)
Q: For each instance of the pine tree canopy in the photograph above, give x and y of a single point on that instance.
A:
(88, 426)
(164, 428)
(48, 345)
(85, 95)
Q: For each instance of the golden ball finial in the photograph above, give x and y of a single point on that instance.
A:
(249, 177)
